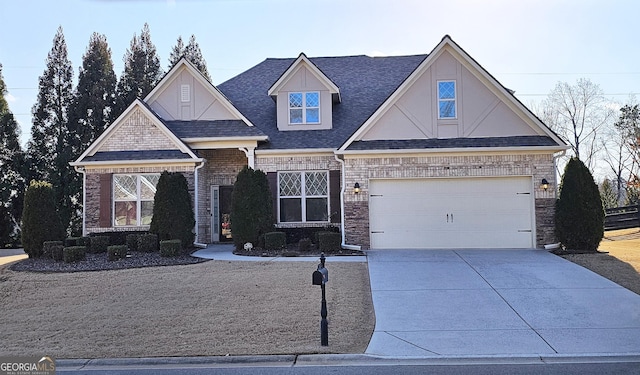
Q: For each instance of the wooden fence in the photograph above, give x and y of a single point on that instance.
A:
(621, 218)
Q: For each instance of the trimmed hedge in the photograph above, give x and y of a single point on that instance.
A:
(329, 241)
(132, 241)
(57, 253)
(148, 243)
(251, 208)
(173, 216)
(275, 240)
(74, 253)
(99, 244)
(116, 252)
(170, 248)
(48, 246)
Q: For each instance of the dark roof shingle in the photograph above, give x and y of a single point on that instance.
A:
(137, 155)
(434, 143)
(214, 128)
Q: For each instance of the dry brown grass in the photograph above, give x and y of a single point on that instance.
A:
(622, 262)
(213, 308)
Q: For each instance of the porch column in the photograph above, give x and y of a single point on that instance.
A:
(251, 156)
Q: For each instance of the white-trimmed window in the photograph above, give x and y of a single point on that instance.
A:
(304, 107)
(447, 99)
(303, 197)
(133, 198)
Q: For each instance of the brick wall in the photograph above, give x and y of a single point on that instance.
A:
(361, 169)
(137, 132)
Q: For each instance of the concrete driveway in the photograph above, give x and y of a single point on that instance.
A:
(439, 303)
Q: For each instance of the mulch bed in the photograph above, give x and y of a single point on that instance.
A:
(99, 262)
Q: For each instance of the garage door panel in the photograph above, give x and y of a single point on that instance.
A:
(451, 213)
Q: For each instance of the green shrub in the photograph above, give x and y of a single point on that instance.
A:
(170, 248)
(132, 241)
(84, 241)
(148, 243)
(116, 252)
(74, 253)
(329, 241)
(71, 241)
(99, 244)
(40, 220)
(304, 245)
(275, 240)
(173, 216)
(57, 253)
(47, 247)
(579, 214)
(251, 207)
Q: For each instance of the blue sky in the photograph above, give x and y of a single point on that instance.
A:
(528, 45)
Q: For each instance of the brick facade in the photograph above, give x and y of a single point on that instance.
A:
(362, 169)
(137, 132)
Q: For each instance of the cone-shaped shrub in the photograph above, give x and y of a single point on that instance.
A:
(40, 220)
(579, 213)
(251, 207)
(173, 217)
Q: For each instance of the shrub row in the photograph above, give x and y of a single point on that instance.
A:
(116, 252)
(275, 240)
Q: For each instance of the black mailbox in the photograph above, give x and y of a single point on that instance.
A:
(317, 278)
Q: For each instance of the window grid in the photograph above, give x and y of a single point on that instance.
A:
(303, 186)
(133, 197)
(304, 108)
(447, 100)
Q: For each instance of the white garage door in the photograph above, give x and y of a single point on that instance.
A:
(451, 213)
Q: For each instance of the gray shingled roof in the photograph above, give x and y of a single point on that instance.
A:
(137, 155)
(433, 143)
(216, 128)
(364, 82)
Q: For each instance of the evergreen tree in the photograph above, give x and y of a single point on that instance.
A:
(608, 194)
(173, 216)
(141, 73)
(40, 220)
(579, 212)
(251, 207)
(48, 151)
(12, 183)
(191, 52)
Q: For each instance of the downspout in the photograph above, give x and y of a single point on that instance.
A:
(343, 189)
(195, 180)
(84, 197)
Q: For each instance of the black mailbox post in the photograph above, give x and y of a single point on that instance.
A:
(321, 277)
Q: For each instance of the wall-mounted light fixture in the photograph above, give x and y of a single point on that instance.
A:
(544, 185)
(356, 188)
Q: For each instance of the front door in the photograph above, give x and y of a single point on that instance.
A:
(221, 213)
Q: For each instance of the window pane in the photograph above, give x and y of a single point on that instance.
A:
(447, 109)
(290, 210)
(315, 183)
(146, 212)
(312, 99)
(126, 213)
(446, 90)
(295, 100)
(295, 116)
(148, 185)
(290, 184)
(317, 209)
(313, 115)
(124, 187)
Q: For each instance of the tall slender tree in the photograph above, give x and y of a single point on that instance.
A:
(141, 73)
(12, 183)
(48, 151)
(191, 52)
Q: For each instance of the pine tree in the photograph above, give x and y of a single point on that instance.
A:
(191, 52)
(141, 73)
(48, 151)
(12, 183)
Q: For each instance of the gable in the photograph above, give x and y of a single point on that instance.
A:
(482, 107)
(185, 97)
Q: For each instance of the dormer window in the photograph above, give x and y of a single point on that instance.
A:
(304, 107)
(446, 99)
